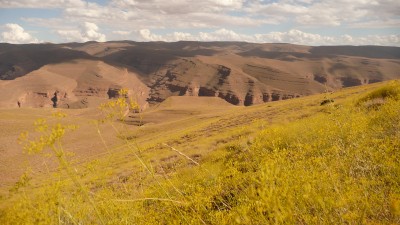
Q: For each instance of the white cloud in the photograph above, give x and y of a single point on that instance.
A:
(276, 8)
(96, 12)
(122, 32)
(223, 16)
(41, 3)
(225, 35)
(53, 23)
(182, 36)
(388, 23)
(88, 32)
(218, 35)
(71, 35)
(146, 35)
(292, 36)
(15, 34)
(326, 12)
(180, 6)
(165, 14)
(297, 37)
(144, 14)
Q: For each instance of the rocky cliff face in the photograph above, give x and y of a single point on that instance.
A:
(240, 73)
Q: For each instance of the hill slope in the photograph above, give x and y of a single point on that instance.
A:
(296, 161)
(240, 73)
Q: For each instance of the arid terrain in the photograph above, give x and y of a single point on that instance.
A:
(194, 158)
(211, 141)
(83, 75)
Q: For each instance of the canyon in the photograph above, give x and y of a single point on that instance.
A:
(86, 74)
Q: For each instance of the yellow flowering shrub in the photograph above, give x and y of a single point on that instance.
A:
(338, 166)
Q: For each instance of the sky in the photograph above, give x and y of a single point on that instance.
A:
(305, 22)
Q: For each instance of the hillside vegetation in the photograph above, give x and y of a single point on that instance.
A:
(289, 162)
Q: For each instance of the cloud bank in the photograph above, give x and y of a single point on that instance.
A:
(15, 34)
(297, 21)
(88, 32)
(292, 36)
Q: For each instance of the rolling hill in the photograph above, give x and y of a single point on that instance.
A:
(201, 160)
(86, 74)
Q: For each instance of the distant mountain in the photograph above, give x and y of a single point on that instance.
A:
(84, 74)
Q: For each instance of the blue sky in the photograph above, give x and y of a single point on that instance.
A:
(308, 22)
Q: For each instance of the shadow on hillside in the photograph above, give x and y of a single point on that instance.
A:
(378, 52)
(149, 59)
(18, 60)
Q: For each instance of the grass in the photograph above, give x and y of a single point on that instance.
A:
(289, 162)
(377, 97)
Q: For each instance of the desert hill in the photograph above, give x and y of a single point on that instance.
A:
(84, 74)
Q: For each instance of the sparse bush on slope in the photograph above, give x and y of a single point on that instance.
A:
(341, 166)
(377, 97)
(334, 168)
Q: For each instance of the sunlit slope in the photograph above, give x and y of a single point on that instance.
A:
(78, 83)
(238, 72)
(178, 112)
(175, 120)
(293, 161)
